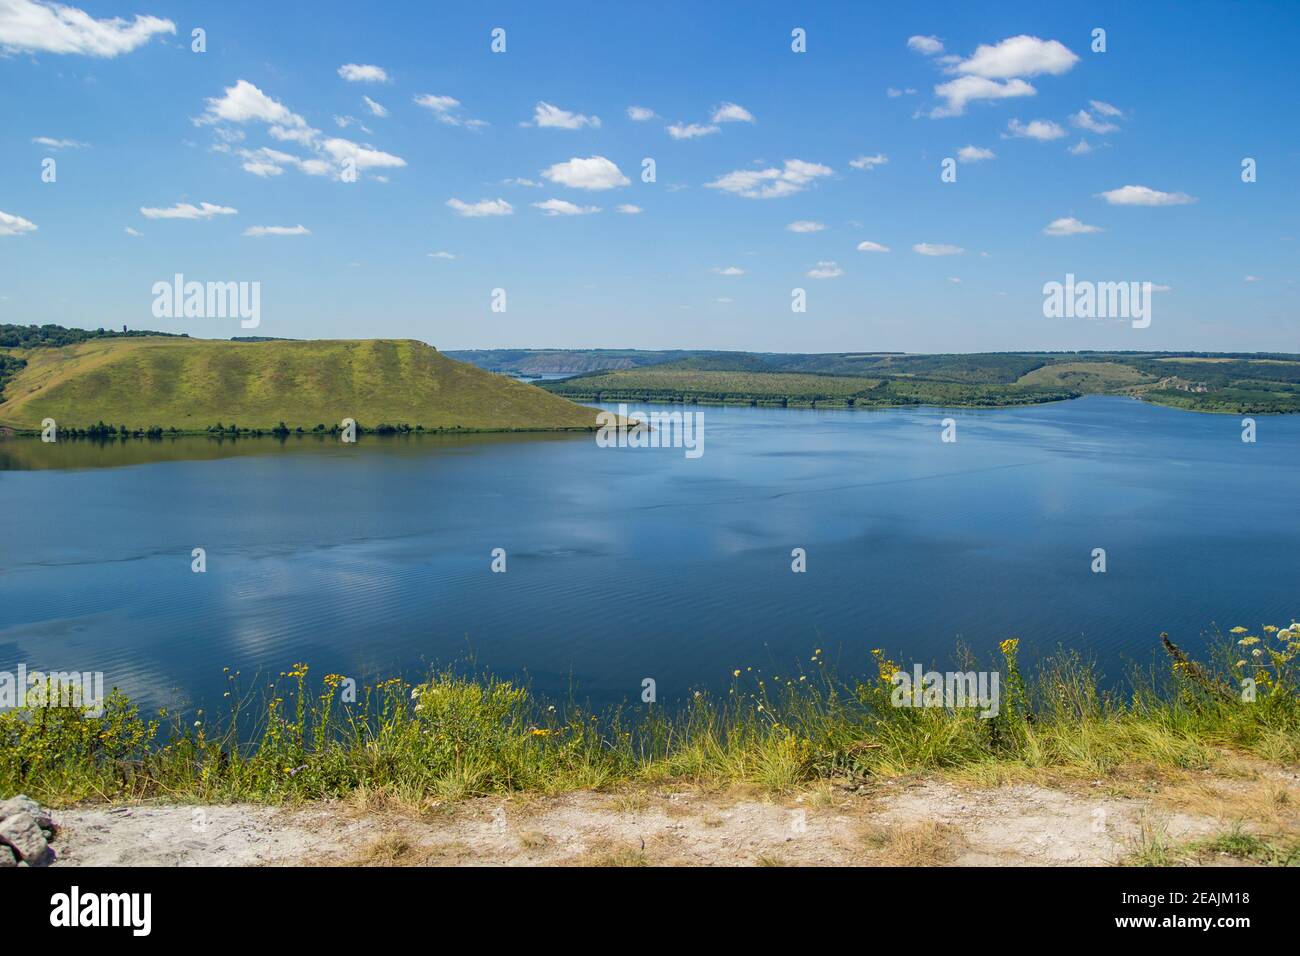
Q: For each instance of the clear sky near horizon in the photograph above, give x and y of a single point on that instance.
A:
(521, 170)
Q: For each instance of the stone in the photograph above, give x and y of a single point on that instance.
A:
(7, 858)
(25, 804)
(20, 832)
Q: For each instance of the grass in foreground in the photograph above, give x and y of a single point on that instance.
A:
(455, 736)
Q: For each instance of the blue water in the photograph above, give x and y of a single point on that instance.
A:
(374, 559)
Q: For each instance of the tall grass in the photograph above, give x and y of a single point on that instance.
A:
(457, 735)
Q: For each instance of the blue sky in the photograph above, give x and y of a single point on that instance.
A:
(1190, 89)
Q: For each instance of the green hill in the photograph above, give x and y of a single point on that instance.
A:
(191, 384)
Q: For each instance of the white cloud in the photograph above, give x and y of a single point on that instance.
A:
(795, 176)
(594, 172)
(1018, 56)
(825, 269)
(243, 102)
(729, 270)
(363, 73)
(975, 154)
(439, 104)
(299, 230)
(11, 225)
(132, 232)
(731, 113)
(58, 143)
(363, 157)
(552, 117)
(562, 207)
(691, 130)
(520, 181)
(447, 109)
(1084, 120)
(184, 210)
(894, 94)
(954, 280)
(375, 108)
(805, 225)
(966, 89)
(1068, 226)
(927, 45)
(31, 27)
(1144, 196)
(1041, 130)
(1105, 109)
(1080, 148)
(484, 207)
(868, 246)
(1250, 279)
(937, 249)
(996, 72)
(441, 255)
(628, 209)
(869, 162)
(640, 114)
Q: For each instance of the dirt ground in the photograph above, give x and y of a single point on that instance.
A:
(926, 822)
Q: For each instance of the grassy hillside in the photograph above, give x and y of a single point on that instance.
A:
(191, 384)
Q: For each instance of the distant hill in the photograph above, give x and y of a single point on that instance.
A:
(1199, 381)
(192, 384)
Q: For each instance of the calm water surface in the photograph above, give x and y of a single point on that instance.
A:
(373, 559)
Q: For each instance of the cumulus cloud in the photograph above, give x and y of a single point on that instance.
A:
(640, 114)
(997, 71)
(132, 232)
(690, 130)
(484, 207)
(375, 108)
(628, 209)
(299, 230)
(1080, 148)
(868, 246)
(1144, 196)
(729, 270)
(363, 73)
(795, 176)
(30, 27)
(552, 117)
(825, 269)
(1041, 130)
(937, 249)
(184, 210)
(562, 207)
(11, 225)
(1105, 109)
(869, 162)
(1018, 56)
(805, 225)
(1068, 226)
(731, 113)
(927, 45)
(244, 103)
(441, 255)
(975, 154)
(594, 172)
(363, 157)
(966, 89)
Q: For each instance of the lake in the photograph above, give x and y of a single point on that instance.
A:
(374, 559)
